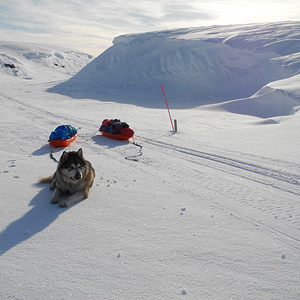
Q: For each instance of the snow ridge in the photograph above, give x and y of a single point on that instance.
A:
(197, 66)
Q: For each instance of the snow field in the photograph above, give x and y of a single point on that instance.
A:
(209, 212)
(131, 238)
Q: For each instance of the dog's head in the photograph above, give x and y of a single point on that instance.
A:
(72, 165)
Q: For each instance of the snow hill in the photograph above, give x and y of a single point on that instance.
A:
(275, 99)
(28, 61)
(197, 66)
(209, 212)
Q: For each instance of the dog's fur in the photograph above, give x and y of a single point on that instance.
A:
(74, 175)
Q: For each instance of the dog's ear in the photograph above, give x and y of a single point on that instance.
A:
(64, 157)
(80, 153)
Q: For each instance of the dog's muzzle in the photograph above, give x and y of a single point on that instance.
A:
(78, 176)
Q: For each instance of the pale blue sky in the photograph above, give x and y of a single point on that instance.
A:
(91, 25)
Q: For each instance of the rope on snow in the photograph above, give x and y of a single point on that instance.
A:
(52, 157)
(134, 157)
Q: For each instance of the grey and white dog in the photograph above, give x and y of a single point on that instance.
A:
(74, 175)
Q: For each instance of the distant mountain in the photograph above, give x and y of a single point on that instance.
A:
(197, 66)
(35, 61)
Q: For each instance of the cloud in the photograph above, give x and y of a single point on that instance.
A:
(190, 15)
(92, 24)
(193, 10)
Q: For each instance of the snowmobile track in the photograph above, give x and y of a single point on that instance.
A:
(286, 181)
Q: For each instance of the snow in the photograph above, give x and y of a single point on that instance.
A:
(196, 65)
(41, 59)
(209, 212)
(275, 99)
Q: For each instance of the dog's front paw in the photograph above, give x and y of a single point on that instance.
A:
(54, 201)
(52, 185)
(64, 204)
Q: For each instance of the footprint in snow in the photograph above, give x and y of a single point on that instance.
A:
(183, 292)
(110, 182)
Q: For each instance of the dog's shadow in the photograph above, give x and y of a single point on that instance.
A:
(41, 215)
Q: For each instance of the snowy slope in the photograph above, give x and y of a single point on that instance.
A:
(209, 212)
(33, 60)
(275, 99)
(196, 65)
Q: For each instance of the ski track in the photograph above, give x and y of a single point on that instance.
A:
(275, 196)
(40, 113)
(281, 230)
(277, 210)
(281, 176)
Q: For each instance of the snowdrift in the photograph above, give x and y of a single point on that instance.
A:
(276, 99)
(197, 66)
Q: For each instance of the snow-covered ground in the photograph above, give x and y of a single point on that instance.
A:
(209, 212)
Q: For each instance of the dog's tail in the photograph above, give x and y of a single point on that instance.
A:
(46, 179)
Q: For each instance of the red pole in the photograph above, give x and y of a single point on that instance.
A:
(167, 106)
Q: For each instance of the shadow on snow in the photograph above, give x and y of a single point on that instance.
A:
(38, 218)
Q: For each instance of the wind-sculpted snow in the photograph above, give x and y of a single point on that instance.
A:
(197, 66)
(275, 99)
(32, 61)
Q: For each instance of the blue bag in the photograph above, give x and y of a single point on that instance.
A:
(63, 132)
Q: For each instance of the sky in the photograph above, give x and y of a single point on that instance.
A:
(91, 25)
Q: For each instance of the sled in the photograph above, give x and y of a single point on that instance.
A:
(63, 136)
(62, 143)
(116, 136)
(115, 129)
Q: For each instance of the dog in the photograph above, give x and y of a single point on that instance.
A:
(74, 175)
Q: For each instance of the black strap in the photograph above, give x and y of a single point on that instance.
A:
(52, 157)
(134, 157)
